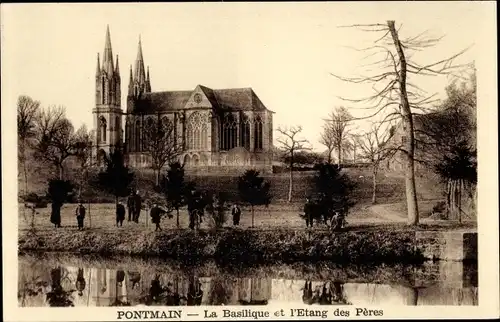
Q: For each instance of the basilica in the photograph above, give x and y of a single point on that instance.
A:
(216, 129)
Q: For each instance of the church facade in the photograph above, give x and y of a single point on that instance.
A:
(215, 129)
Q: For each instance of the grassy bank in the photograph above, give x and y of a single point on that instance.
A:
(390, 188)
(387, 246)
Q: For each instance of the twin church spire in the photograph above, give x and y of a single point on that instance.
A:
(108, 80)
(139, 80)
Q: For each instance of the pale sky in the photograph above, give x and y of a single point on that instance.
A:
(284, 51)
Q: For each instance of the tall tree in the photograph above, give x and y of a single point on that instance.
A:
(160, 142)
(83, 153)
(254, 190)
(55, 137)
(116, 178)
(174, 187)
(336, 129)
(392, 89)
(291, 145)
(448, 138)
(375, 149)
(27, 110)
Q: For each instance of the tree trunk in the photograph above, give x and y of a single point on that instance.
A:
(157, 177)
(290, 188)
(459, 201)
(61, 170)
(252, 216)
(409, 146)
(178, 224)
(339, 154)
(374, 194)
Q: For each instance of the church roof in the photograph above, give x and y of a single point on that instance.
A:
(232, 98)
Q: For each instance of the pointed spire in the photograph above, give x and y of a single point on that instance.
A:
(131, 83)
(140, 75)
(148, 82)
(117, 68)
(107, 62)
(98, 69)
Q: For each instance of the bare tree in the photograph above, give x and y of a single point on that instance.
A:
(392, 88)
(327, 139)
(160, 141)
(375, 149)
(335, 131)
(55, 137)
(27, 110)
(290, 145)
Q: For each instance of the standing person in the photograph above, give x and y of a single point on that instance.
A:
(130, 206)
(80, 215)
(137, 206)
(236, 212)
(156, 213)
(55, 215)
(120, 214)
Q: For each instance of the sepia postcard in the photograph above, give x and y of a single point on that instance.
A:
(249, 161)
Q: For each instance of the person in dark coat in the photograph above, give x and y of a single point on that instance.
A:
(156, 213)
(120, 214)
(130, 206)
(55, 215)
(80, 215)
(236, 212)
(137, 206)
(309, 212)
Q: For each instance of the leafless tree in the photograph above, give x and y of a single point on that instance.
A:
(375, 148)
(335, 131)
(290, 145)
(160, 142)
(393, 89)
(83, 153)
(55, 137)
(27, 110)
(327, 139)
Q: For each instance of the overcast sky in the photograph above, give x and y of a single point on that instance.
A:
(285, 52)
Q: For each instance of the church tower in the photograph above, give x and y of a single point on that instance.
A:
(139, 82)
(107, 112)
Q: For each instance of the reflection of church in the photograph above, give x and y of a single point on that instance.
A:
(215, 128)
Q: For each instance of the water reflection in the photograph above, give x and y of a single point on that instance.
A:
(41, 283)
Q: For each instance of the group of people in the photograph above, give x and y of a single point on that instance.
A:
(195, 204)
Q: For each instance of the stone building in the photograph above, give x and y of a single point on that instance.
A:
(217, 129)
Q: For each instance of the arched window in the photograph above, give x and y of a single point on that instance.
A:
(167, 127)
(137, 135)
(229, 128)
(258, 132)
(187, 160)
(197, 132)
(105, 90)
(245, 133)
(102, 129)
(149, 133)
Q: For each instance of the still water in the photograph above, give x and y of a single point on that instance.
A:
(66, 280)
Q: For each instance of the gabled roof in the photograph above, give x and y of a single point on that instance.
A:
(232, 98)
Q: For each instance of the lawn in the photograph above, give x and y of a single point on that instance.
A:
(282, 216)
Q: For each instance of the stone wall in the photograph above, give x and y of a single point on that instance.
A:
(452, 246)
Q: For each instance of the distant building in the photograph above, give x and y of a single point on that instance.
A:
(218, 129)
(399, 139)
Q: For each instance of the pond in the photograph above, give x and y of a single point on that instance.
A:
(56, 279)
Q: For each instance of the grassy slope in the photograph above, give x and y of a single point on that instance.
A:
(390, 185)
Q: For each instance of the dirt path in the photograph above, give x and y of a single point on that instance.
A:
(385, 212)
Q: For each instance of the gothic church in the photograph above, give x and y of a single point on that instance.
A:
(217, 129)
